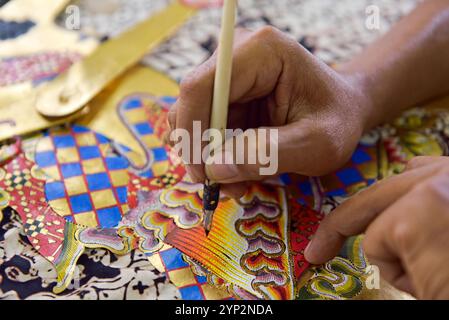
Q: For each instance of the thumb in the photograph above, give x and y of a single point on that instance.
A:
(301, 147)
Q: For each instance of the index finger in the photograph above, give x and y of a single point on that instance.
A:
(411, 233)
(194, 103)
(354, 215)
(251, 79)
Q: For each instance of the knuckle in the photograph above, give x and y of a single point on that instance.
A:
(326, 225)
(334, 148)
(166, 138)
(421, 161)
(326, 139)
(195, 173)
(198, 80)
(415, 162)
(328, 135)
(436, 187)
(190, 83)
(266, 33)
(435, 190)
(404, 233)
(250, 171)
(320, 135)
(171, 119)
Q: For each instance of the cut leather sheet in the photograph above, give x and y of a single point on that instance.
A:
(21, 74)
(339, 284)
(360, 172)
(144, 117)
(87, 180)
(72, 239)
(304, 223)
(89, 77)
(91, 82)
(9, 150)
(136, 184)
(217, 282)
(49, 233)
(59, 241)
(126, 106)
(132, 235)
(341, 278)
(418, 133)
(89, 173)
(381, 153)
(249, 241)
(77, 238)
(179, 271)
(44, 229)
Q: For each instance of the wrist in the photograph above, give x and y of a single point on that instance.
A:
(369, 109)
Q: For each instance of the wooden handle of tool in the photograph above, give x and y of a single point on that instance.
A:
(219, 115)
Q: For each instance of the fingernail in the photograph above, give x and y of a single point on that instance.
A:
(171, 119)
(221, 172)
(193, 177)
(307, 249)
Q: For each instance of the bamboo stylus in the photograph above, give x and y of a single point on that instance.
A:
(220, 104)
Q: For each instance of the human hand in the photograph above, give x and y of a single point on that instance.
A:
(276, 83)
(406, 221)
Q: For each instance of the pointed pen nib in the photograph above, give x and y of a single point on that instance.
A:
(211, 197)
(208, 215)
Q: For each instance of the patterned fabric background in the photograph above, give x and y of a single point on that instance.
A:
(24, 274)
(333, 30)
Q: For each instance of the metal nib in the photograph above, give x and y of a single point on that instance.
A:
(208, 215)
(211, 197)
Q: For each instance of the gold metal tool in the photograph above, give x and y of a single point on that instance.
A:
(24, 110)
(73, 89)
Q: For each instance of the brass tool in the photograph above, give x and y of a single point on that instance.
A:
(24, 110)
(73, 89)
